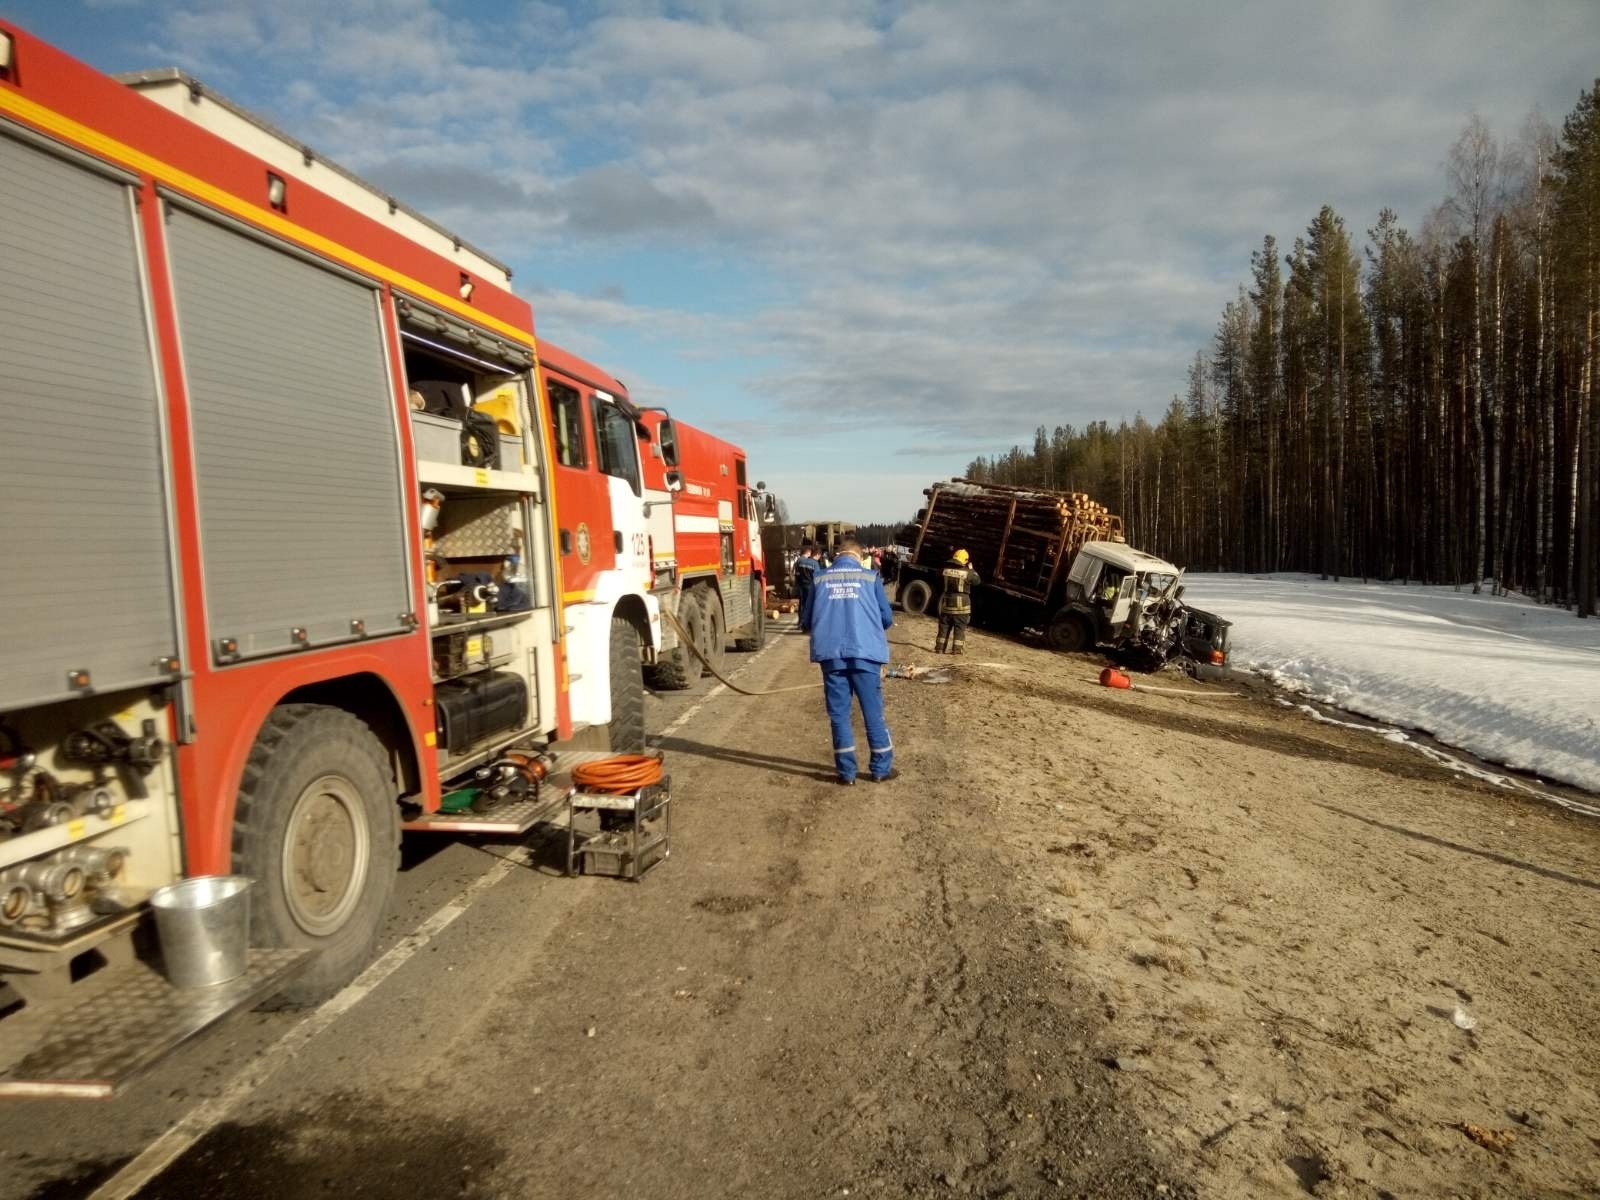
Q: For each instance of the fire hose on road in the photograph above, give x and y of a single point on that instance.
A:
(683, 635)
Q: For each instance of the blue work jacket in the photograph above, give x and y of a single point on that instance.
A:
(846, 613)
(805, 571)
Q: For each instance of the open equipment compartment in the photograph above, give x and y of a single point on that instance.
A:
(468, 400)
(467, 393)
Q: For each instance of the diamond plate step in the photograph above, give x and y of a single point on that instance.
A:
(522, 816)
(93, 1047)
(502, 818)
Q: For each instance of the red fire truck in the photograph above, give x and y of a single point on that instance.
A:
(704, 525)
(605, 558)
(286, 531)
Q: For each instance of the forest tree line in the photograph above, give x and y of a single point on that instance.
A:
(1425, 409)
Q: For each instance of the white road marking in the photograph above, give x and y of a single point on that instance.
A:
(162, 1152)
(199, 1121)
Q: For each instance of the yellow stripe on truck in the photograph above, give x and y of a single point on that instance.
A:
(136, 160)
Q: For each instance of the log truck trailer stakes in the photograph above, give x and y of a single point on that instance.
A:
(299, 543)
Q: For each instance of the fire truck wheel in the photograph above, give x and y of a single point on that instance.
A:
(1067, 632)
(757, 636)
(916, 597)
(318, 829)
(677, 668)
(627, 689)
(715, 626)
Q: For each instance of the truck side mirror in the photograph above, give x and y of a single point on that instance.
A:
(674, 481)
(769, 510)
(667, 439)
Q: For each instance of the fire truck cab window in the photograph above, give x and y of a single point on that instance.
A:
(615, 444)
(566, 424)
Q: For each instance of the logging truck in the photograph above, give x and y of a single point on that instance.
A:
(1056, 562)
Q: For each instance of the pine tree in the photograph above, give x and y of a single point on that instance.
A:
(1578, 233)
(1436, 418)
(1266, 390)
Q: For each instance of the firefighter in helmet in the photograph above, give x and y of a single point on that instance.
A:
(955, 604)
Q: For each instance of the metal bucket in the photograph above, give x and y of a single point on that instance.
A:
(204, 928)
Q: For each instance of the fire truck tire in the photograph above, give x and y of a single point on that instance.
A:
(916, 597)
(1067, 632)
(317, 827)
(627, 689)
(678, 668)
(757, 637)
(715, 626)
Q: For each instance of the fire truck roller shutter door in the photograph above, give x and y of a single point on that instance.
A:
(301, 513)
(88, 583)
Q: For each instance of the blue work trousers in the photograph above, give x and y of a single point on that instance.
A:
(841, 679)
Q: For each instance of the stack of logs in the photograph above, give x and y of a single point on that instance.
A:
(1012, 534)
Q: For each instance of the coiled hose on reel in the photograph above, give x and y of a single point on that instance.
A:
(618, 775)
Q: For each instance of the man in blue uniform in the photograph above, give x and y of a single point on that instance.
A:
(846, 614)
(805, 573)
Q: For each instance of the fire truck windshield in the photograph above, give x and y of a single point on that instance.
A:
(615, 443)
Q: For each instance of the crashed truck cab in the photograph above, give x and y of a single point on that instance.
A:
(1127, 598)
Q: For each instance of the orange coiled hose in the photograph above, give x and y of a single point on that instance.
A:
(620, 773)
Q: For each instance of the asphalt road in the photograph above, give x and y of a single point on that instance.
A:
(820, 993)
(1090, 943)
(67, 1149)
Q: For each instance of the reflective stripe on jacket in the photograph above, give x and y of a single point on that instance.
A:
(956, 598)
(846, 613)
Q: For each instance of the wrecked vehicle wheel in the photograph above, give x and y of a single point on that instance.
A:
(1068, 632)
(916, 597)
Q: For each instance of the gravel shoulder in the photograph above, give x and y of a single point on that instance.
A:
(1286, 923)
(1091, 943)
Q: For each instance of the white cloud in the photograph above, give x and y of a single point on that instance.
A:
(971, 218)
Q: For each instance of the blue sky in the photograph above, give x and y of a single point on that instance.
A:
(869, 241)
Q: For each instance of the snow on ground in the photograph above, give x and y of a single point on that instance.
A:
(1504, 679)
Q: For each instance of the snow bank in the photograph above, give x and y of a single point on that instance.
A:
(1509, 681)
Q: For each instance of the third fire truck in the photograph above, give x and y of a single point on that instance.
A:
(704, 526)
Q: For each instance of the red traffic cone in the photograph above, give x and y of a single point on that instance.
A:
(1113, 678)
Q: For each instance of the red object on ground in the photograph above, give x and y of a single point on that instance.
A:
(1113, 678)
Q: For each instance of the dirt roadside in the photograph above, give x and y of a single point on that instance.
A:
(1090, 944)
(1286, 923)
(824, 992)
